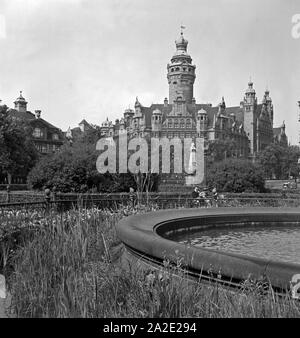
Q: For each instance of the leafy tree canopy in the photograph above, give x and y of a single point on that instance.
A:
(18, 153)
(73, 169)
(279, 162)
(220, 150)
(236, 175)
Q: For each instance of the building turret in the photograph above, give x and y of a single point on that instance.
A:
(201, 123)
(250, 125)
(181, 72)
(128, 114)
(156, 121)
(21, 104)
(137, 108)
(122, 126)
(222, 107)
(250, 95)
(105, 126)
(269, 105)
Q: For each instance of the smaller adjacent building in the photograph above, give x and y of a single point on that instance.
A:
(46, 137)
(74, 133)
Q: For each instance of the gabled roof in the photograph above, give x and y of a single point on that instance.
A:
(21, 115)
(84, 122)
(29, 116)
(44, 122)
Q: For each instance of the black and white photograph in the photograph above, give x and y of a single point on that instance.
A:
(149, 162)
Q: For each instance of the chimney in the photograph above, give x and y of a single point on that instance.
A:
(38, 113)
(165, 102)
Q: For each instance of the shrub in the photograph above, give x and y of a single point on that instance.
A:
(73, 169)
(235, 175)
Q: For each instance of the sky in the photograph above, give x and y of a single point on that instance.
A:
(76, 59)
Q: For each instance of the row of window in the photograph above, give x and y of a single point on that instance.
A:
(183, 69)
(175, 134)
(47, 148)
(39, 133)
(181, 125)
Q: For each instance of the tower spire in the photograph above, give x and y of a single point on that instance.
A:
(181, 29)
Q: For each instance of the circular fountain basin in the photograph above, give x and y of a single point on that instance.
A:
(151, 237)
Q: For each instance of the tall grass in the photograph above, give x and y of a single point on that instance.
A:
(72, 268)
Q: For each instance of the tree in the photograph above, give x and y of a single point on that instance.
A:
(279, 162)
(220, 150)
(90, 136)
(236, 175)
(73, 169)
(290, 161)
(70, 169)
(18, 153)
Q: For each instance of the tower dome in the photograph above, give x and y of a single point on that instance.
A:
(250, 89)
(181, 43)
(21, 104)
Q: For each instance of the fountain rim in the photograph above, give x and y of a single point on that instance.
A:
(142, 233)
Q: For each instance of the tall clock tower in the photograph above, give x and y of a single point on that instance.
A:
(181, 73)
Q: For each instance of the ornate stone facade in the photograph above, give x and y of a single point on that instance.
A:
(250, 124)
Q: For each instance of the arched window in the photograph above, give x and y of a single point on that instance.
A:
(177, 69)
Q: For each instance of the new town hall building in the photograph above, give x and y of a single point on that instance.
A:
(250, 124)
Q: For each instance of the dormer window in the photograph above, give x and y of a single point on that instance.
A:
(38, 133)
